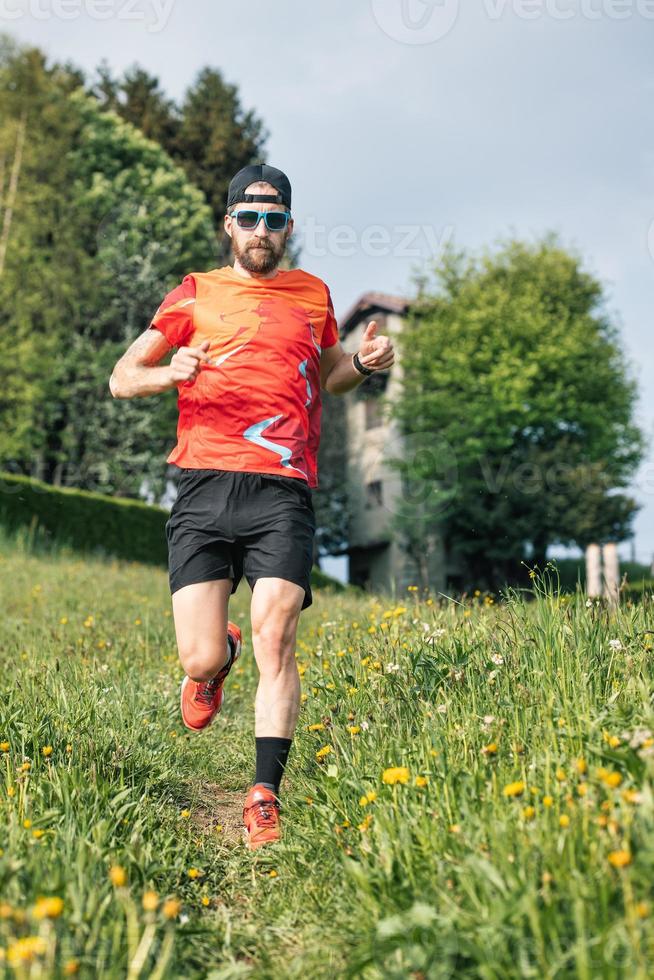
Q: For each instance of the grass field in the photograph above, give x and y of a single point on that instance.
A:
(469, 792)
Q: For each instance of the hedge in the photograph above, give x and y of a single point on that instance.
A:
(92, 523)
(86, 521)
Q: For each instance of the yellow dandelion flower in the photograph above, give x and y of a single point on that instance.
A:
(420, 780)
(365, 823)
(205, 900)
(117, 875)
(47, 750)
(395, 774)
(529, 812)
(354, 729)
(548, 801)
(352, 690)
(325, 750)
(582, 766)
(490, 749)
(619, 859)
(514, 789)
(185, 814)
(317, 727)
(582, 789)
(24, 950)
(4, 746)
(171, 908)
(308, 800)
(560, 775)
(150, 901)
(38, 834)
(272, 873)
(642, 910)
(71, 967)
(194, 872)
(564, 820)
(27, 824)
(48, 908)
(11, 790)
(612, 779)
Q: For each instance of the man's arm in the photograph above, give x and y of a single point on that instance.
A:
(136, 374)
(338, 373)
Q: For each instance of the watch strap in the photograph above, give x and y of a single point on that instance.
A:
(359, 366)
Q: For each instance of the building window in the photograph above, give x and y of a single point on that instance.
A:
(374, 494)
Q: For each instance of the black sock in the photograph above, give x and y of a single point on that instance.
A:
(272, 754)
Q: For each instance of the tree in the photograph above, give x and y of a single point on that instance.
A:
(512, 364)
(209, 135)
(104, 225)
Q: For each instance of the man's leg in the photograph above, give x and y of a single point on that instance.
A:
(274, 613)
(275, 610)
(200, 613)
(208, 646)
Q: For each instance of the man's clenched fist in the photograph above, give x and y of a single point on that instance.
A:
(185, 364)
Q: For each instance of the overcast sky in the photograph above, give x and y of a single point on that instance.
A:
(404, 123)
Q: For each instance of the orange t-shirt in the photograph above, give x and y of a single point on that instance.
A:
(256, 406)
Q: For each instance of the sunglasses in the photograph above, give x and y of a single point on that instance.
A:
(275, 220)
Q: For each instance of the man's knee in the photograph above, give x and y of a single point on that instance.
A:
(201, 663)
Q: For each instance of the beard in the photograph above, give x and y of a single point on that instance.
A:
(261, 255)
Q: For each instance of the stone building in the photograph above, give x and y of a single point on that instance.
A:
(377, 560)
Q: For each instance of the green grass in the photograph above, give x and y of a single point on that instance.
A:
(438, 874)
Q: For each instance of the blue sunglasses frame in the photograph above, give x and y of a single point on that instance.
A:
(260, 215)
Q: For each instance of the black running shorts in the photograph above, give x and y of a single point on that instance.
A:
(230, 523)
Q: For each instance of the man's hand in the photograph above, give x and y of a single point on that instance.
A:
(185, 364)
(376, 352)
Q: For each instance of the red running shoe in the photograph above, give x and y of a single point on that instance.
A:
(261, 816)
(201, 701)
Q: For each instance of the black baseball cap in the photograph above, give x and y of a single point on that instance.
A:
(257, 172)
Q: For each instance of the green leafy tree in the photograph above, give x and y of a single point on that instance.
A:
(105, 223)
(517, 410)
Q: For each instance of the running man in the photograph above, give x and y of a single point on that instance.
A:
(255, 345)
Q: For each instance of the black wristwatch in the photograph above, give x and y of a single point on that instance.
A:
(359, 366)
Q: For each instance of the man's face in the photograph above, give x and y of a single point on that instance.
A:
(258, 250)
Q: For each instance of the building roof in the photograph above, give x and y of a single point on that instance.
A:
(367, 304)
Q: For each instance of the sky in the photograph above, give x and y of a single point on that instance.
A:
(405, 124)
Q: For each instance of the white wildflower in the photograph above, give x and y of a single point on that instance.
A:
(615, 644)
(497, 659)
